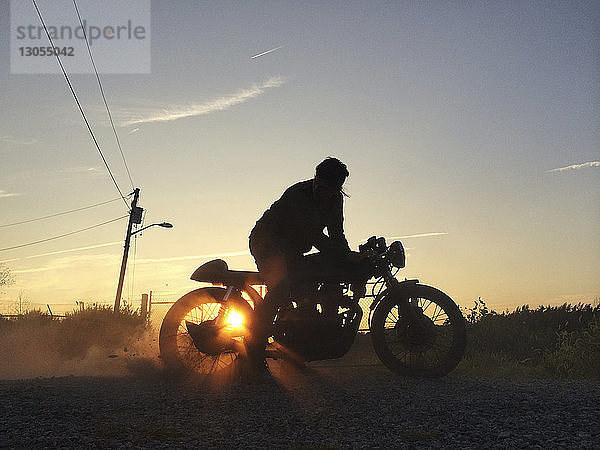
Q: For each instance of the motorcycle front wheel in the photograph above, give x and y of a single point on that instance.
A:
(418, 331)
(181, 344)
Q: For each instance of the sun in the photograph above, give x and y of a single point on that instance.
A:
(234, 319)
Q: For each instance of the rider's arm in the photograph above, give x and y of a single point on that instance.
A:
(335, 226)
(336, 242)
(327, 245)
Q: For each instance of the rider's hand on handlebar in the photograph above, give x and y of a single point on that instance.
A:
(354, 257)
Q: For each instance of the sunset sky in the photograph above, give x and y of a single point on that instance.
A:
(472, 128)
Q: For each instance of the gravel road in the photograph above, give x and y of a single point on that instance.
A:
(328, 407)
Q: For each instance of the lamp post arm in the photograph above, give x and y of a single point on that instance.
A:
(142, 229)
(162, 224)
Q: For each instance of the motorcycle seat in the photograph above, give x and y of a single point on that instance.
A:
(217, 271)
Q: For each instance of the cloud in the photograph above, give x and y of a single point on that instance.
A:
(39, 269)
(17, 140)
(4, 194)
(66, 277)
(218, 104)
(576, 166)
(61, 172)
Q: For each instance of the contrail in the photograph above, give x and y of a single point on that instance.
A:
(246, 252)
(58, 252)
(89, 247)
(267, 52)
(576, 166)
(184, 258)
(418, 235)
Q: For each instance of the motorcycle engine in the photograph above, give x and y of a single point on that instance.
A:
(322, 327)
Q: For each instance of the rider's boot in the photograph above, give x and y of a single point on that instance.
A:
(254, 366)
(254, 369)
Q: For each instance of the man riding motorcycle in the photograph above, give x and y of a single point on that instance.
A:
(287, 230)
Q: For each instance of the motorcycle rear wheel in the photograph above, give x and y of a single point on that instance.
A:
(177, 349)
(427, 341)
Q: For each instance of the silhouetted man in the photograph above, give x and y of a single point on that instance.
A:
(290, 228)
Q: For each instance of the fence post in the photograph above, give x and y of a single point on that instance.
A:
(144, 308)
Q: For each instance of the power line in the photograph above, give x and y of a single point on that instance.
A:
(78, 104)
(112, 124)
(60, 213)
(63, 235)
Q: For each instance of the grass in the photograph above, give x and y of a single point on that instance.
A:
(546, 342)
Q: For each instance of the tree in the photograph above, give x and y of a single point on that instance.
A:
(6, 278)
(22, 304)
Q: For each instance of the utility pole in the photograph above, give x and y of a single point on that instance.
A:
(135, 217)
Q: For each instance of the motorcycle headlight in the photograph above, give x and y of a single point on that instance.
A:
(395, 255)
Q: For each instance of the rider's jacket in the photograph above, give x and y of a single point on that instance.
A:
(295, 223)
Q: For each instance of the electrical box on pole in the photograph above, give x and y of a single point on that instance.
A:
(136, 215)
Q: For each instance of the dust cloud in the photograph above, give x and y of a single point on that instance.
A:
(47, 348)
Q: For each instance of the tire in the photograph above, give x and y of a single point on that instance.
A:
(178, 352)
(431, 344)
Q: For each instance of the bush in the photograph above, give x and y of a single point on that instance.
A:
(549, 341)
(577, 354)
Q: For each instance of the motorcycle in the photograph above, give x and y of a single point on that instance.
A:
(416, 330)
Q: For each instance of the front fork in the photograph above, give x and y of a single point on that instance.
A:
(407, 306)
(235, 293)
(224, 306)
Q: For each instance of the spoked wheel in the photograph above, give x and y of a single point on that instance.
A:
(196, 337)
(424, 336)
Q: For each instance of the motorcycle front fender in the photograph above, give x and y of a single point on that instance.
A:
(398, 289)
(219, 295)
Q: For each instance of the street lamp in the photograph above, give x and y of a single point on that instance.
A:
(162, 224)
